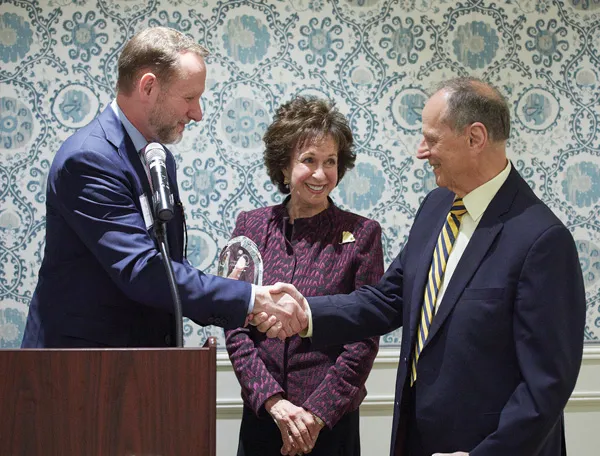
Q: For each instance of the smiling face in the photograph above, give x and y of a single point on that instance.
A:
(313, 174)
(179, 102)
(447, 151)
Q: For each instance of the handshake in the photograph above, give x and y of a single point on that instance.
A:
(279, 311)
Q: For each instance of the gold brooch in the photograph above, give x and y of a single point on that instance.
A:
(347, 237)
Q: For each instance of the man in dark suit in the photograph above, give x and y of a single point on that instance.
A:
(102, 281)
(488, 290)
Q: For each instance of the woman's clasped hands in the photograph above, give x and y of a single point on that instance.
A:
(299, 427)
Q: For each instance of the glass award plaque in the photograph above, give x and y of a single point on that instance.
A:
(242, 254)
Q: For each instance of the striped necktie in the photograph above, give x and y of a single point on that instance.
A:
(441, 253)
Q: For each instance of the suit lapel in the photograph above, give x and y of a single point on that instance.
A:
(117, 135)
(469, 262)
(488, 228)
(134, 159)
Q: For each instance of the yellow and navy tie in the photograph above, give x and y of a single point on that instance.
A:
(441, 253)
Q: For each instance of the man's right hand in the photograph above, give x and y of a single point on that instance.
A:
(277, 313)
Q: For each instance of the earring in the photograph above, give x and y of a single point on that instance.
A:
(286, 180)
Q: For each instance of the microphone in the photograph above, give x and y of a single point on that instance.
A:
(162, 198)
(155, 157)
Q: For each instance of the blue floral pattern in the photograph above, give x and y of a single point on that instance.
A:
(316, 5)
(475, 44)
(320, 41)
(246, 39)
(9, 220)
(38, 185)
(204, 182)
(412, 105)
(362, 76)
(197, 250)
(407, 107)
(84, 35)
(589, 257)
(66, 2)
(12, 325)
(407, 5)
(581, 185)
(586, 80)
(426, 181)
(586, 4)
(362, 3)
(393, 338)
(75, 105)
(536, 108)
(16, 123)
(362, 187)
(547, 42)
(542, 6)
(177, 23)
(244, 122)
(16, 37)
(403, 43)
(201, 3)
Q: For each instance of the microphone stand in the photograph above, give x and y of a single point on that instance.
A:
(159, 228)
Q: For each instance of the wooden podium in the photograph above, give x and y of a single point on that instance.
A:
(108, 402)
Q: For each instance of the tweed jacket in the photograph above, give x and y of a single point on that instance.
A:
(319, 260)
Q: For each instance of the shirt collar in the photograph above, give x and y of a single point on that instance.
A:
(137, 138)
(479, 199)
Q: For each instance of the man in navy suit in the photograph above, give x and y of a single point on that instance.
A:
(102, 281)
(487, 369)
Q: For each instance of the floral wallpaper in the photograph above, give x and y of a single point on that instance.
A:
(375, 58)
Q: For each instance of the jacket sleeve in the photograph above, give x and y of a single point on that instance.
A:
(371, 310)
(345, 379)
(549, 320)
(256, 381)
(95, 197)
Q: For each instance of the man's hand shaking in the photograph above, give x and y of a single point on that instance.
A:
(279, 311)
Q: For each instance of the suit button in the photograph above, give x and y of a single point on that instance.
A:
(168, 340)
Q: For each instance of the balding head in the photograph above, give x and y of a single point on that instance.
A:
(470, 100)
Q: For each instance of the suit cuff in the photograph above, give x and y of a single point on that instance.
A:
(308, 332)
(252, 296)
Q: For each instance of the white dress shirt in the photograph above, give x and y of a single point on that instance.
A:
(476, 202)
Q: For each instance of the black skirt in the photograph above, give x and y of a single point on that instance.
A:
(260, 436)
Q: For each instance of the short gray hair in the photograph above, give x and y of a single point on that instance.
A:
(473, 100)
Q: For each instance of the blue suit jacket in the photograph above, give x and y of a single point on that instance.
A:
(102, 280)
(505, 346)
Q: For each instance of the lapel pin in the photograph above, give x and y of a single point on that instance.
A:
(347, 237)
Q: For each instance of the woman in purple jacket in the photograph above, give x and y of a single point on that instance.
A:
(294, 397)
